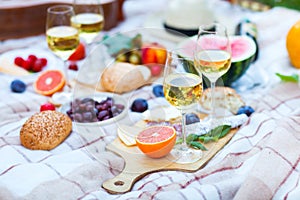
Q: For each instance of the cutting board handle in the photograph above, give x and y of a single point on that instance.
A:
(122, 183)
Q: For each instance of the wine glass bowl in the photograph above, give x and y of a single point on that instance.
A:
(88, 19)
(182, 90)
(212, 56)
(62, 38)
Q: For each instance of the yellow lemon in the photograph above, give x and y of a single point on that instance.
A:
(293, 44)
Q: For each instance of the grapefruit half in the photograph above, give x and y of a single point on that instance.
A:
(156, 141)
(49, 82)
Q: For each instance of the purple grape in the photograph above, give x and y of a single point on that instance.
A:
(78, 117)
(102, 114)
(106, 117)
(90, 108)
(87, 116)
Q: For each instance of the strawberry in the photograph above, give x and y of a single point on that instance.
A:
(37, 65)
(47, 106)
(27, 64)
(79, 53)
(73, 66)
(19, 61)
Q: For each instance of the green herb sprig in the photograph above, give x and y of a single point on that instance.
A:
(198, 141)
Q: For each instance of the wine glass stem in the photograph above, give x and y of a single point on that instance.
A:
(213, 107)
(67, 77)
(184, 145)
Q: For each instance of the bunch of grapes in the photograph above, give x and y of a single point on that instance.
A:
(89, 110)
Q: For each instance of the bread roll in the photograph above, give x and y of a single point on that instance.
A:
(124, 77)
(225, 97)
(45, 130)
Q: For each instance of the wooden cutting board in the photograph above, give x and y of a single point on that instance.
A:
(137, 165)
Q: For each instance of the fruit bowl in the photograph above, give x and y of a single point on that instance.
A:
(243, 52)
(100, 108)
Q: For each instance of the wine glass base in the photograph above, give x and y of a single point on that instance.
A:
(185, 155)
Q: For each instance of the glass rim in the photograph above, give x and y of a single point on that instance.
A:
(175, 53)
(63, 9)
(206, 27)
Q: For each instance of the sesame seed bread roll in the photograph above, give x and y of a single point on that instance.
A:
(45, 130)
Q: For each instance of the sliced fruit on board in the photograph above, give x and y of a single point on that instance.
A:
(243, 52)
(49, 82)
(156, 141)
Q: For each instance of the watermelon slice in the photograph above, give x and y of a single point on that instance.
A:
(243, 50)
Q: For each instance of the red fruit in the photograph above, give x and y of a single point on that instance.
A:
(155, 70)
(19, 61)
(27, 64)
(44, 61)
(37, 66)
(153, 53)
(73, 66)
(32, 58)
(79, 53)
(47, 106)
(148, 55)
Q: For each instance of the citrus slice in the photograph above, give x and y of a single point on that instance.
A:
(49, 82)
(156, 141)
(293, 44)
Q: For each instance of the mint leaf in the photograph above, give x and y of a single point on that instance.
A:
(225, 130)
(291, 78)
(198, 145)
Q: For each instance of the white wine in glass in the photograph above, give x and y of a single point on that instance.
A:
(88, 19)
(212, 56)
(182, 90)
(62, 38)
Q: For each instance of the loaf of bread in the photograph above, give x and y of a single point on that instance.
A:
(225, 97)
(45, 130)
(124, 77)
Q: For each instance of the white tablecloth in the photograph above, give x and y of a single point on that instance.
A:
(260, 162)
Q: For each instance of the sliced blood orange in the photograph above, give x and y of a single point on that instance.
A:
(156, 141)
(49, 82)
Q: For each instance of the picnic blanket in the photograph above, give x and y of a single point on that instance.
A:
(260, 162)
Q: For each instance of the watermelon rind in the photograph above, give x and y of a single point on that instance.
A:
(239, 65)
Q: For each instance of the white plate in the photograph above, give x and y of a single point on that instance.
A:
(52, 62)
(99, 96)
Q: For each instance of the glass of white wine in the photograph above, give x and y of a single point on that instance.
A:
(212, 56)
(182, 90)
(62, 38)
(88, 19)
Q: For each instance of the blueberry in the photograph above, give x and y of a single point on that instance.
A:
(139, 105)
(18, 86)
(248, 110)
(158, 91)
(191, 118)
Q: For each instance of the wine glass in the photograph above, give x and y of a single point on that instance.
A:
(62, 38)
(182, 90)
(88, 19)
(212, 56)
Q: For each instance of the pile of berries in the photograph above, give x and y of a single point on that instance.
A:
(89, 110)
(31, 63)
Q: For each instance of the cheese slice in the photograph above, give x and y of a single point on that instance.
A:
(161, 113)
(127, 134)
(9, 68)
